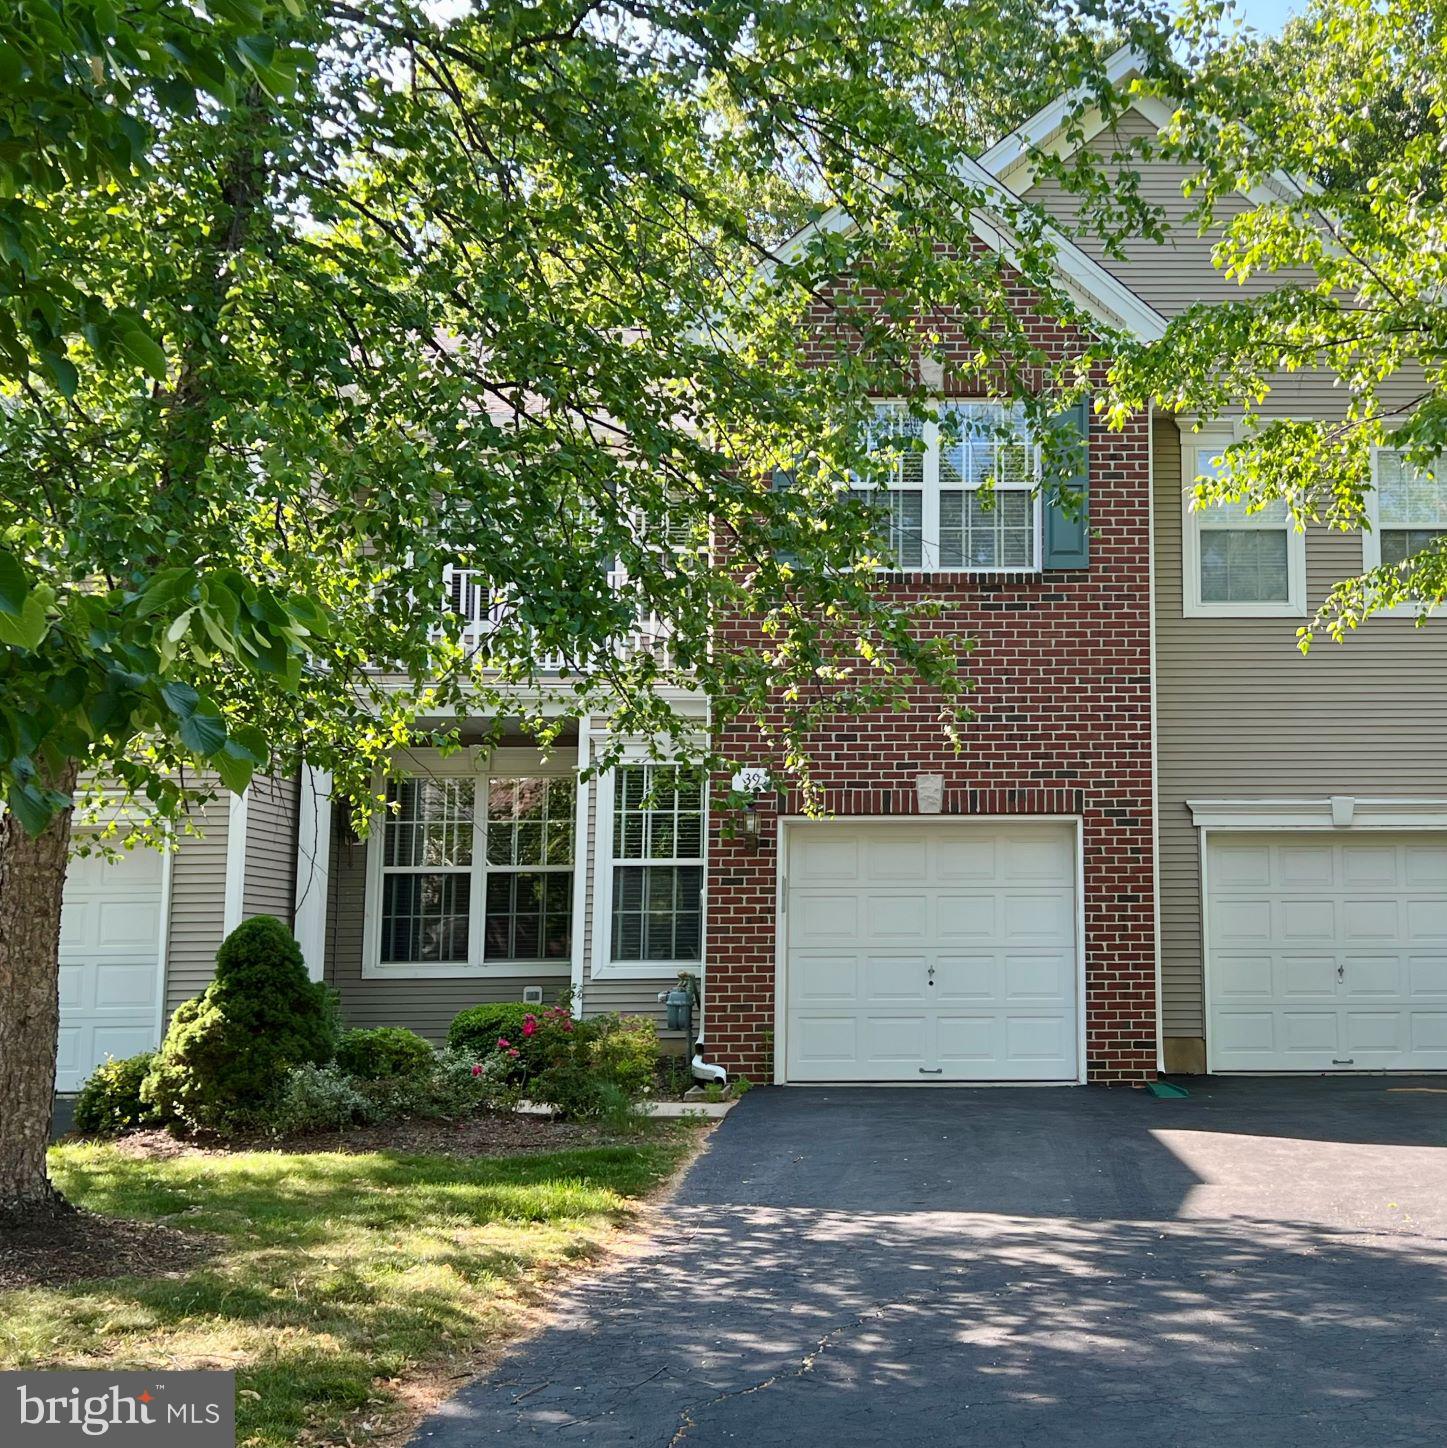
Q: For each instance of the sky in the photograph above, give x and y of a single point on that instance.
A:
(1268, 15)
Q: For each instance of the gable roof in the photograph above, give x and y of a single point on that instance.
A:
(1090, 285)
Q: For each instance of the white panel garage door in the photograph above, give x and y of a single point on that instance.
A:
(1327, 953)
(110, 932)
(940, 952)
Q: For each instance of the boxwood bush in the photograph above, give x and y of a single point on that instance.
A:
(384, 1053)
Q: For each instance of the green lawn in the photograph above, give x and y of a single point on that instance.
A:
(340, 1275)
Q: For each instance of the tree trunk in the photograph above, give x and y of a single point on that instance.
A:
(32, 879)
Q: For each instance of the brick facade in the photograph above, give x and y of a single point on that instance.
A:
(1063, 697)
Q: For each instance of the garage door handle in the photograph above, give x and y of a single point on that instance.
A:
(938, 1071)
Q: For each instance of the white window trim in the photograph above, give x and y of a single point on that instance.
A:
(930, 503)
(479, 765)
(603, 966)
(1195, 447)
(1372, 539)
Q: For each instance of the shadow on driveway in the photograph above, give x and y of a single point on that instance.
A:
(1263, 1263)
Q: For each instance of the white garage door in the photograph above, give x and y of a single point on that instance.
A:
(110, 935)
(940, 952)
(1327, 953)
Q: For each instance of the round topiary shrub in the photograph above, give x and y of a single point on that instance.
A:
(227, 1051)
(110, 1101)
(384, 1053)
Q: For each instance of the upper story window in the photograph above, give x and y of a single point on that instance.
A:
(468, 870)
(1407, 509)
(961, 492)
(1238, 563)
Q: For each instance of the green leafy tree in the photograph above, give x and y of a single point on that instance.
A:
(1336, 133)
(505, 291)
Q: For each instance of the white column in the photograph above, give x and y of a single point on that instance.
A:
(235, 861)
(313, 865)
(580, 866)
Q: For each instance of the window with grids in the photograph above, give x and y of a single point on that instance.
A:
(476, 871)
(1244, 556)
(960, 492)
(529, 901)
(658, 856)
(1411, 506)
(427, 862)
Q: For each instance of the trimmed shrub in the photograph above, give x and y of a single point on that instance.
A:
(384, 1053)
(317, 1098)
(226, 1051)
(453, 1087)
(110, 1101)
(478, 1029)
(595, 1067)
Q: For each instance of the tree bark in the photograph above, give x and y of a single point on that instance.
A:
(32, 881)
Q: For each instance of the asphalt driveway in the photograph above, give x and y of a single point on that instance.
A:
(1263, 1263)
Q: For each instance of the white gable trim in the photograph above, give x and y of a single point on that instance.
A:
(1092, 288)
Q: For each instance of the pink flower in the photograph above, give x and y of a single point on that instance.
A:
(530, 1025)
(502, 1043)
(477, 1070)
(514, 1054)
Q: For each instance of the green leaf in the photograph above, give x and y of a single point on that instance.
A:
(145, 352)
(181, 699)
(26, 629)
(235, 769)
(32, 807)
(62, 369)
(14, 585)
(203, 734)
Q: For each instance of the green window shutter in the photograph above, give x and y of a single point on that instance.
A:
(1067, 529)
(782, 480)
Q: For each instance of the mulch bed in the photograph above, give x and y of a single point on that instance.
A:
(79, 1246)
(491, 1134)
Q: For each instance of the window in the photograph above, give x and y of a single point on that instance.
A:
(469, 871)
(529, 868)
(1407, 509)
(658, 856)
(961, 492)
(1250, 564)
(427, 852)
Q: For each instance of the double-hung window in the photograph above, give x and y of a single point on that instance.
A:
(468, 871)
(656, 883)
(1407, 509)
(1238, 562)
(960, 491)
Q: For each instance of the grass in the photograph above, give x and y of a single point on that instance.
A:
(339, 1277)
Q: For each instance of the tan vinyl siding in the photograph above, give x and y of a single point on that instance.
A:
(270, 883)
(1176, 273)
(1243, 715)
(198, 903)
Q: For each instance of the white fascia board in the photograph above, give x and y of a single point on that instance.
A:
(1037, 130)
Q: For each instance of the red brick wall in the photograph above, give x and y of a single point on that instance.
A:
(1062, 693)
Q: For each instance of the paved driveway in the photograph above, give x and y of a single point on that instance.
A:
(1263, 1264)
